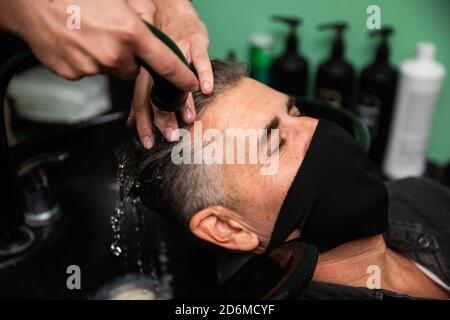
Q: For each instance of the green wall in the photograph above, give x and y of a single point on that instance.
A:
(230, 23)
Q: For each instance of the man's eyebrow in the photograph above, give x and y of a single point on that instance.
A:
(268, 130)
(275, 122)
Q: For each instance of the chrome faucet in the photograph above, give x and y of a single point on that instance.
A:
(39, 206)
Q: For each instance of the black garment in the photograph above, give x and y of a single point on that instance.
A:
(419, 227)
(334, 172)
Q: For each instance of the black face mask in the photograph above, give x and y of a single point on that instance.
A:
(336, 196)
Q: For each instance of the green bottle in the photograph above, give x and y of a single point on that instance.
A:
(261, 57)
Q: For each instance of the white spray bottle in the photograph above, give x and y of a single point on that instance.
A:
(419, 86)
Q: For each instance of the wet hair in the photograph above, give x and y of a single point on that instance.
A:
(178, 191)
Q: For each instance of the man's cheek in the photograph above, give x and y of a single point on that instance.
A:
(272, 167)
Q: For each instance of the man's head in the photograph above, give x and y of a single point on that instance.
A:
(230, 205)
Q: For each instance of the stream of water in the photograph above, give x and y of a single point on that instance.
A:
(129, 219)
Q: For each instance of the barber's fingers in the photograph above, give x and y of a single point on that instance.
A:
(145, 9)
(144, 115)
(125, 66)
(167, 123)
(158, 55)
(131, 117)
(187, 111)
(141, 110)
(80, 60)
(202, 63)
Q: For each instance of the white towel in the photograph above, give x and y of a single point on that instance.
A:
(40, 95)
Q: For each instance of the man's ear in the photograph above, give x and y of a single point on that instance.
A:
(220, 226)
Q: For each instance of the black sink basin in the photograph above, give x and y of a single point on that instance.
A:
(85, 188)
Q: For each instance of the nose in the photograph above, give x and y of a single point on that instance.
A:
(301, 131)
(303, 125)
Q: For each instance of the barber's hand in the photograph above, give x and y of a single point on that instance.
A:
(178, 19)
(111, 36)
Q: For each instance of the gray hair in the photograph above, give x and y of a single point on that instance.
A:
(179, 191)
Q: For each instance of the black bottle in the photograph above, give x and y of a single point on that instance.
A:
(378, 85)
(334, 80)
(289, 72)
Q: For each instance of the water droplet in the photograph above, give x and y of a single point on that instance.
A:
(163, 258)
(115, 249)
(128, 207)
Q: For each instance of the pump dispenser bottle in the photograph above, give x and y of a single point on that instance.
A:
(334, 80)
(420, 82)
(377, 89)
(289, 72)
(261, 56)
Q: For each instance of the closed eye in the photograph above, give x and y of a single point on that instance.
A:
(280, 145)
(293, 111)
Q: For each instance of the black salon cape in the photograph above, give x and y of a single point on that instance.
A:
(419, 226)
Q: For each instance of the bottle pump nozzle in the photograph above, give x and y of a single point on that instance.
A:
(383, 49)
(338, 45)
(293, 23)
